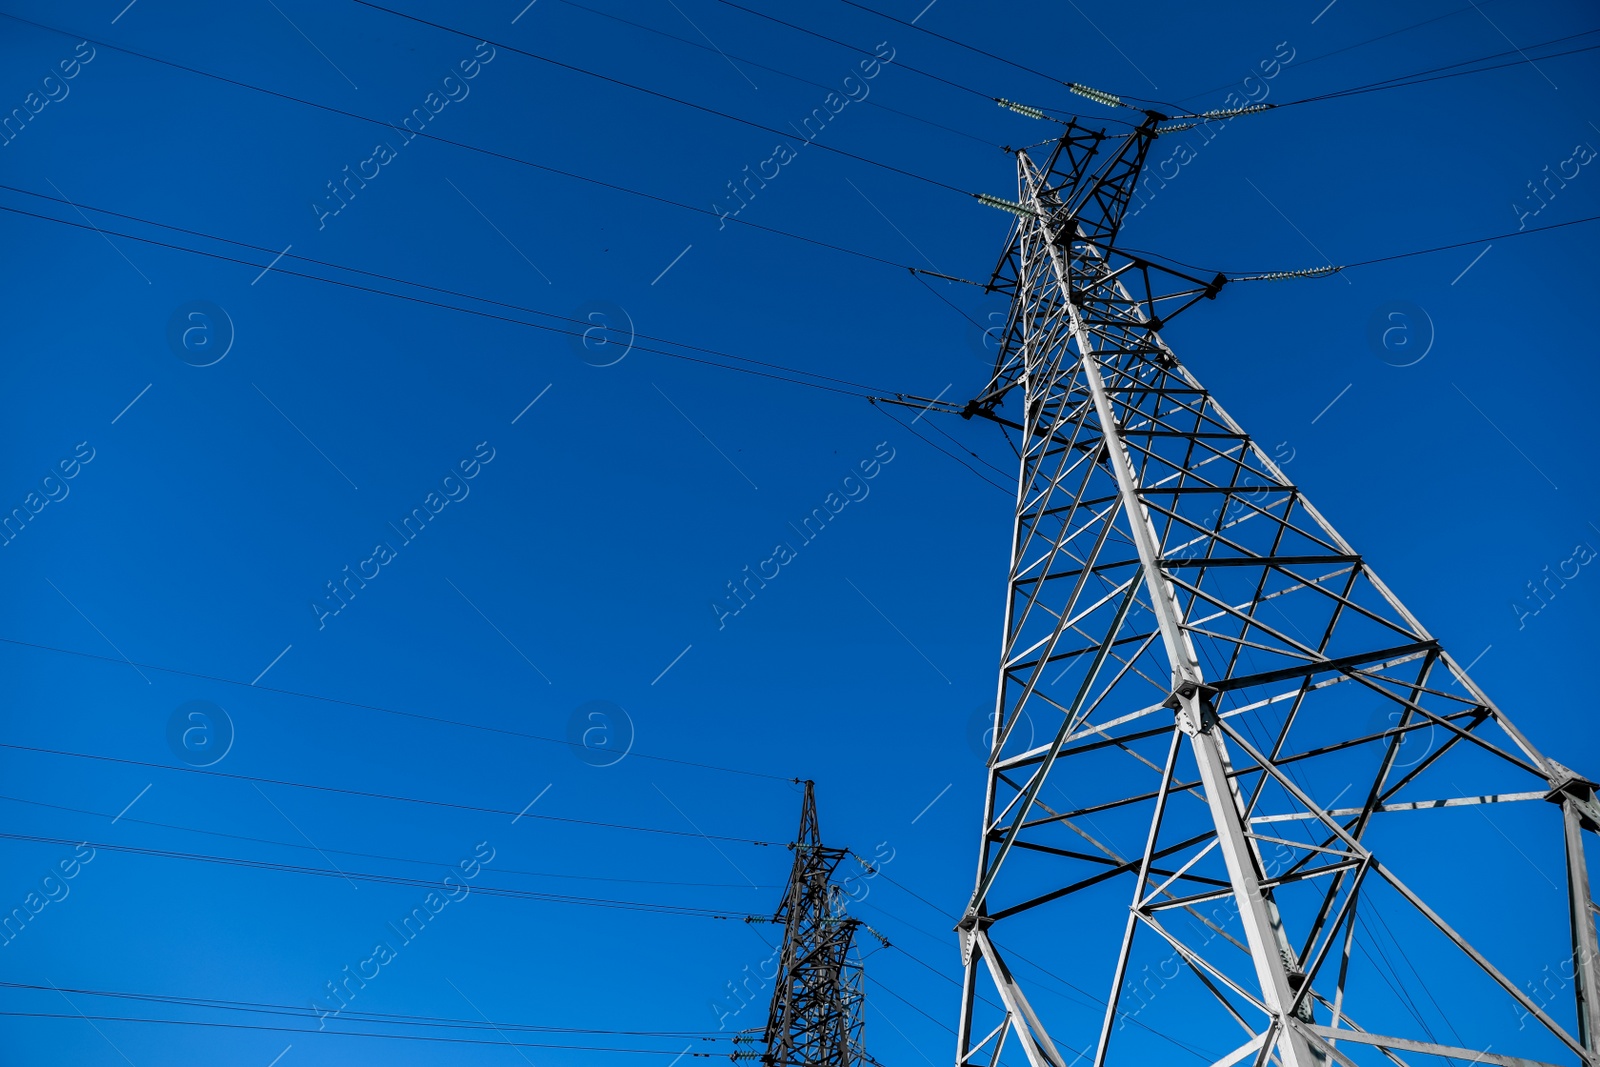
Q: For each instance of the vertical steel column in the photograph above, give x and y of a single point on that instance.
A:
(1585, 945)
(1263, 929)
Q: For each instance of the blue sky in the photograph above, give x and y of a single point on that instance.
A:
(588, 500)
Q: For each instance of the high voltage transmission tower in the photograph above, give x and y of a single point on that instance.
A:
(1254, 819)
(816, 1015)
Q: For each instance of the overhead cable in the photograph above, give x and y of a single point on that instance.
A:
(453, 805)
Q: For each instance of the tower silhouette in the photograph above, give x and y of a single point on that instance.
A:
(1256, 822)
(816, 1014)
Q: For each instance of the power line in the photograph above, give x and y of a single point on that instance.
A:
(1246, 276)
(1089, 999)
(1384, 967)
(392, 879)
(372, 855)
(904, 889)
(354, 1033)
(951, 40)
(656, 93)
(381, 709)
(854, 388)
(904, 66)
(897, 947)
(1057, 81)
(277, 254)
(1402, 81)
(384, 796)
(773, 70)
(860, 390)
(1352, 47)
(974, 49)
(1011, 953)
(460, 144)
(1421, 984)
(1097, 1001)
(937, 1022)
(935, 445)
(941, 431)
(857, 391)
(1397, 82)
(359, 1016)
(849, 46)
(918, 276)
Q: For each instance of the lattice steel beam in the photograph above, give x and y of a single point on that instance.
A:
(815, 1019)
(1209, 654)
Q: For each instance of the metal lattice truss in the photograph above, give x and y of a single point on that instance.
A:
(1216, 731)
(815, 1019)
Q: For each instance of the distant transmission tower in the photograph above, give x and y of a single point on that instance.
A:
(1258, 824)
(816, 1014)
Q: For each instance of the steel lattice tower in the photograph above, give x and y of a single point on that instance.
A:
(1230, 708)
(816, 1015)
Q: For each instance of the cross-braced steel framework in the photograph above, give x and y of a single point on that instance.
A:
(815, 1019)
(1242, 727)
